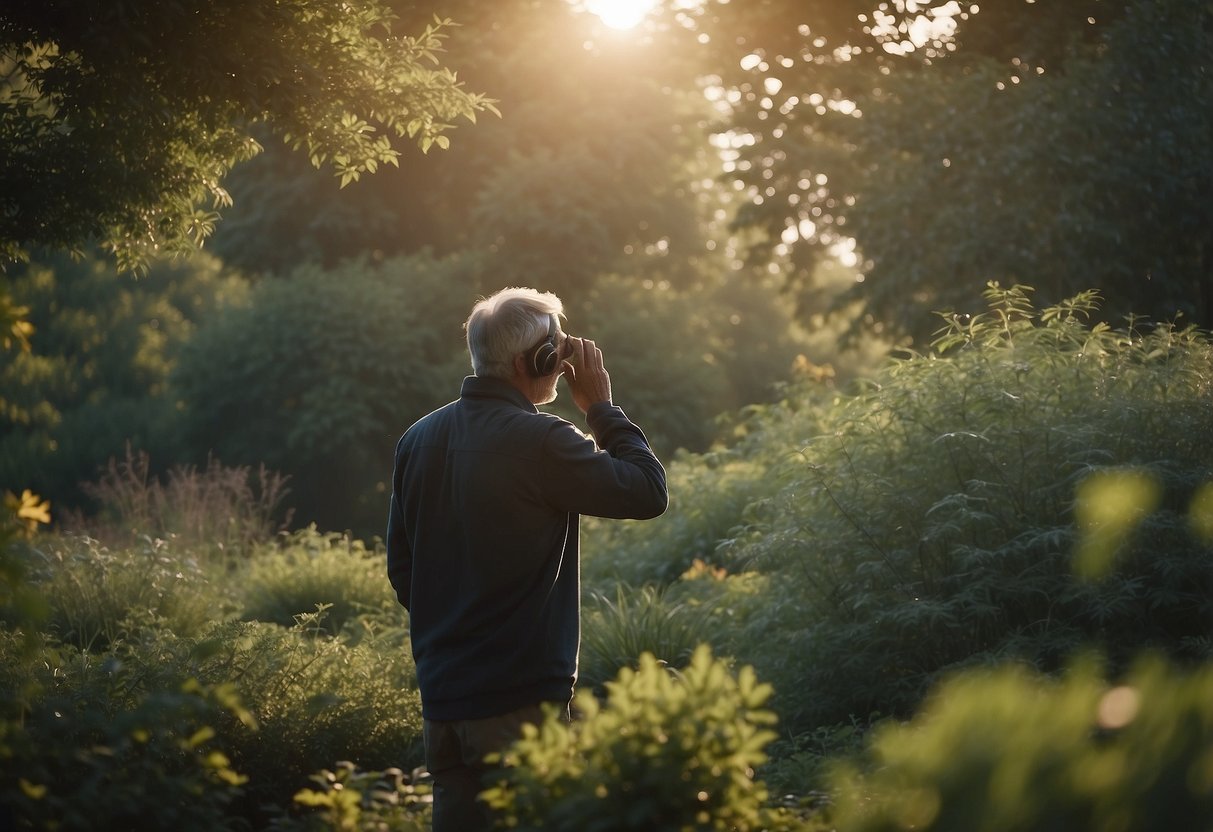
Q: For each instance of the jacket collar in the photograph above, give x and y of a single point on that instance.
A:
(486, 387)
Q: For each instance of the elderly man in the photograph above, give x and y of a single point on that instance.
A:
(482, 536)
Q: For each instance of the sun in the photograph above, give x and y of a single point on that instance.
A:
(620, 14)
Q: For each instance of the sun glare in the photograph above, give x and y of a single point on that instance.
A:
(620, 14)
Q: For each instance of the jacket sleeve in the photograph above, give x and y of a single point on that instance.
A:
(399, 553)
(619, 477)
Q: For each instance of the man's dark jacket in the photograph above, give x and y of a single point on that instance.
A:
(482, 542)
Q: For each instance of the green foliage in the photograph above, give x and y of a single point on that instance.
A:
(86, 753)
(312, 699)
(295, 700)
(308, 570)
(930, 520)
(367, 801)
(121, 119)
(316, 699)
(318, 374)
(616, 633)
(666, 751)
(801, 764)
(96, 378)
(709, 494)
(97, 596)
(1012, 750)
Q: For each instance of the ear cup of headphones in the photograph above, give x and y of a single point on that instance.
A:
(543, 362)
(544, 358)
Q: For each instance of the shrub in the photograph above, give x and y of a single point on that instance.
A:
(316, 699)
(307, 570)
(666, 751)
(929, 521)
(293, 701)
(84, 750)
(97, 596)
(1012, 750)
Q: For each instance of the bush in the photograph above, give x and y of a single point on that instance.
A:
(667, 751)
(316, 699)
(1012, 750)
(83, 750)
(97, 596)
(931, 521)
(293, 701)
(308, 570)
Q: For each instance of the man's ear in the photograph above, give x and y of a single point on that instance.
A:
(520, 366)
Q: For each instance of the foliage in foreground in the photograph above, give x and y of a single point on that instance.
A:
(126, 635)
(671, 751)
(1007, 749)
(82, 754)
(1016, 752)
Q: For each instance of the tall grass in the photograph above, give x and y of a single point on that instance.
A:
(219, 508)
(618, 631)
(96, 595)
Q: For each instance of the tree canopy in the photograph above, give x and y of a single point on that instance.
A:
(121, 118)
(588, 168)
(1064, 145)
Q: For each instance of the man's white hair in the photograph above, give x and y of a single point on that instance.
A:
(507, 324)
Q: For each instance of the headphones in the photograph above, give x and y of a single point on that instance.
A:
(543, 358)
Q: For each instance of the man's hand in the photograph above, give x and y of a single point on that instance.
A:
(588, 379)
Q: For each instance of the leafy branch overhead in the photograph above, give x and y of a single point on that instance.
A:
(121, 119)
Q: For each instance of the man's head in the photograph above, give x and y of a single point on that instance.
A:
(504, 330)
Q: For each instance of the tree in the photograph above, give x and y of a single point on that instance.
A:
(1064, 145)
(317, 373)
(120, 118)
(98, 380)
(588, 167)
